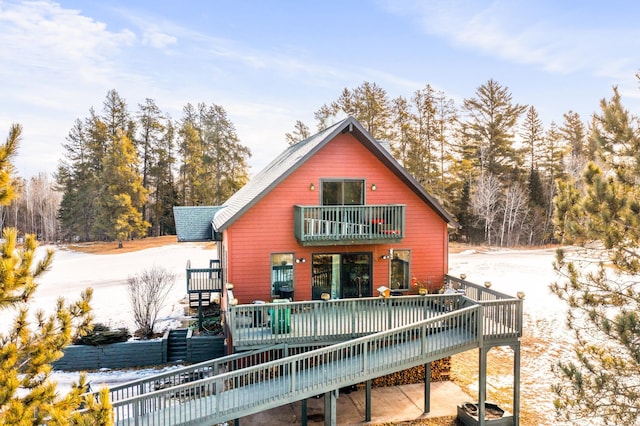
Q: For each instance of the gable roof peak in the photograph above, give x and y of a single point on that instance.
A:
(297, 154)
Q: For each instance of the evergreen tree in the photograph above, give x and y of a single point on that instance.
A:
(300, 133)
(446, 118)
(532, 136)
(573, 133)
(27, 395)
(422, 159)
(156, 144)
(150, 132)
(214, 162)
(77, 178)
(368, 103)
(490, 124)
(603, 295)
(163, 186)
(79, 175)
(403, 131)
(122, 194)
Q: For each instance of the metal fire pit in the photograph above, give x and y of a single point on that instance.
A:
(493, 415)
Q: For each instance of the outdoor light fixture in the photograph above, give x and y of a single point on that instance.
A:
(312, 187)
(384, 291)
(301, 260)
(373, 187)
(385, 257)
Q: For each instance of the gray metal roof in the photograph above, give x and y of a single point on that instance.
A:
(296, 155)
(193, 223)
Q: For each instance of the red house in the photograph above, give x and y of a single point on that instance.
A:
(333, 216)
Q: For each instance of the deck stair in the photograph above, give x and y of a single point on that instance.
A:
(177, 345)
(200, 299)
(204, 286)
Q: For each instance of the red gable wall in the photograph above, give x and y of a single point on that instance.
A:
(268, 226)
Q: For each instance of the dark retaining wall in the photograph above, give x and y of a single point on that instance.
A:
(137, 353)
(204, 348)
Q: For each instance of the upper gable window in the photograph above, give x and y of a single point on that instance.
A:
(342, 192)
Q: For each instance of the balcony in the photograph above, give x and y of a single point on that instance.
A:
(347, 225)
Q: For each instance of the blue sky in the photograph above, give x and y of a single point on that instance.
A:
(270, 63)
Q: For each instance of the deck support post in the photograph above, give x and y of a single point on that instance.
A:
(427, 388)
(516, 384)
(482, 385)
(303, 413)
(367, 401)
(200, 315)
(330, 408)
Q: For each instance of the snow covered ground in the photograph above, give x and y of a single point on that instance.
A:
(546, 338)
(509, 271)
(107, 274)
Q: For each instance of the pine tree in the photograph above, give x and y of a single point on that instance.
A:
(164, 190)
(573, 134)
(368, 103)
(214, 161)
(603, 295)
(403, 130)
(300, 132)
(532, 136)
(27, 395)
(122, 195)
(489, 127)
(77, 178)
(422, 161)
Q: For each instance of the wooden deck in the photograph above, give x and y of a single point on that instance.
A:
(250, 390)
(355, 339)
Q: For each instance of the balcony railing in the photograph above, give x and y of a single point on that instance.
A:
(370, 224)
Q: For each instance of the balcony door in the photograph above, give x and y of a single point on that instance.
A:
(342, 275)
(342, 192)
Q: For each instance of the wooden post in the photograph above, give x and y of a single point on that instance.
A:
(367, 403)
(516, 384)
(482, 385)
(427, 388)
(303, 414)
(330, 408)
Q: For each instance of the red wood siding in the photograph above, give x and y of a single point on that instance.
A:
(268, 226)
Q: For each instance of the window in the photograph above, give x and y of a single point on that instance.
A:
(343, 192)
(281, 272)
(400, 270)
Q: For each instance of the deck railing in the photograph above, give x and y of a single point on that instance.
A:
(331, 321)
(249, 390)
(191, 373)
(204, 279)
(366, 224)
(502, 313)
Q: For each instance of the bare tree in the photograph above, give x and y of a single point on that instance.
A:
(148, 292)
(485, 202)
(514, 211)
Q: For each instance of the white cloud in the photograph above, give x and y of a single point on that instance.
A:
(535, 34)
(158, 39)
(43, 34)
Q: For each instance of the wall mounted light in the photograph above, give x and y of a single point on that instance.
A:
(301, 260)
(385, 257)
(373, 187)
(312, 187)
